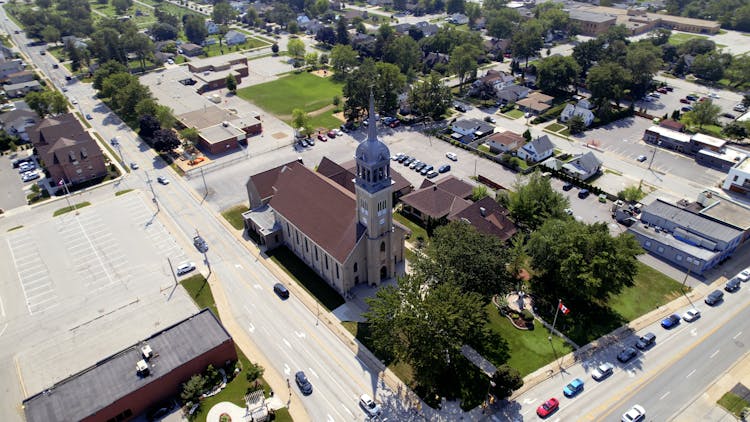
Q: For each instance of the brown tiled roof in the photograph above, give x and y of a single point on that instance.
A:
(320, 208)
(493, 221)
(399, 181)
(455, 186)
(673, 125)
(506, 138)
(264, 181)
(56, 133)
(435, 202)
(343, 174)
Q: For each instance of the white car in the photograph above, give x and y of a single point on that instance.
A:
(568, 211)
(185, 268)
(29, 176)
(714, 95)
(636, 414)
(451, 156)
(74, 101)
(691, 315)
(367, 403)
(602, 371)
(743, 275)
(163, 180)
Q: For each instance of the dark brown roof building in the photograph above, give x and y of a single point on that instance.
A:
(488, 217)
(344, 175)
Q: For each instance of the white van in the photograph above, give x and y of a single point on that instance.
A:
(185, 268)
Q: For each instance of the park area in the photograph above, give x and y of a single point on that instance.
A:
(307, 91)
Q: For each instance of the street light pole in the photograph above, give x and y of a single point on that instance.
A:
(658, 143)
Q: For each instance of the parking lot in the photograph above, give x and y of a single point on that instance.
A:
(81, 286)
(14, 189)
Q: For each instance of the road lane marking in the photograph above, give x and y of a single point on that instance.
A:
(694, 332)
(664, 396)
(347, 410)
(287, 369)
(691, 373)
(714, 354)
(737, 335)
(300, 335)
(289, 345)
(251, 328)
(313, 372)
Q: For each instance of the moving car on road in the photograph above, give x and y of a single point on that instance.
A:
(670, 321)
(691, 315)
(281, 290)
(574, 387)
(602, 371)
(547, 408)
(200, 244)
(627, 354)
(303, 383)
(367, 403)
(636, 414)
(163, 180)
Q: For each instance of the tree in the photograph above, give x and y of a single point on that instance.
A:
(526, 41)
(231, 83)
(343, 59)
(121, 5)
(708, 66)
(164, 31)
(704, 113)
(195, 29)
(501, 23)
(45, 103)
(552, 16)
(527, 135)
(739, 71)
(404, 53)
(223, 13)
(588, 53)
(311, 59)
(473, 11)
(275, 48)
(643, 60)
(105, 70)
(430, 97)
(479, 192)
(148, 126)
(301, 121)
(165, 140)
(505, 381)
(576, 125)
(296, 48)
(50, 34)
(326, 35)
(631, 194)
(581, 264)
(425, 327)
(454, 6)
(532, 203)
(556, 74)
(193, 388)
(737, 130)
(342, 33)
(607, 82)
(463, 63)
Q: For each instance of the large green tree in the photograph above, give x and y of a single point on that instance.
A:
(195, 29)
(463, 62)
(533, 201)
(607, 82)
(223, 13)
(404, 53)
(581, 264)
(526, 41)
(383, 79)
(296, 48)
(47, 102)
(643, 60)
(704, 113)
(343, 60)
(430, 97)
(557, 74)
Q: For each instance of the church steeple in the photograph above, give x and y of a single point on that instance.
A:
(373, 157)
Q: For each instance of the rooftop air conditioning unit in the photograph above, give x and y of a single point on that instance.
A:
(147, 352)
(141, 367)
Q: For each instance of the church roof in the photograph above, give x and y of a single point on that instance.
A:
(321, 209)
(344, 174)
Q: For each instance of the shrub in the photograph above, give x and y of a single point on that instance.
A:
(253, 372)
(527, 315)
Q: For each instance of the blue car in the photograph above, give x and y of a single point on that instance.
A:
(670, 321)
(573, 388)
(444, 168)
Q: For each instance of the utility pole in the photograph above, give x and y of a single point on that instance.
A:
(653, 155)
(205, 186)
(151, 185)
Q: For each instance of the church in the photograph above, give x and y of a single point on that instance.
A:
(346, 237)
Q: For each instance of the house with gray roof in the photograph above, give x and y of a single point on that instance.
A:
(473, 128)
(685, 238)
(235, 37)
(537, 150)
(21, 89)
(583, 167)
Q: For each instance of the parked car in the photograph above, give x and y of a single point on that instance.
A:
(641, 158)
(281, 290)
(451, 156)
(185, 268)
(331, 134)
(669, 88)
(691, 315)
(583, 193)
(567, 186)
(739, 107)
(489, 119)
(431, 174)
(321, 138)
(395, 123)
(732, 285)
(397, 156)
(662, 90)
(163, 180)
(460, 107)
(654, 95)
(670, 321)
(603, 198)
(684, 101)
(402, 158)
(547, 408)
(408, 161)
(574, 387)
(415, 164)
(728, 115)
(200, 244)
(29, 176)
(303, 383)
(134, 165)
(714, 298)
(89, 117)
(743, 275)
(636, 414)
(369, 405)
(627, 354)
(444, 168)
(687, 108)
(568, 211)
(602, 371)
(426, 170)
(311, 141)
(691, 97)
(646, 341)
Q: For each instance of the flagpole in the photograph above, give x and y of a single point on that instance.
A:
(67, 192)
(552, 330)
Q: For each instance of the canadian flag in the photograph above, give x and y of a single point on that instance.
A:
(61, 182)
(564, 309)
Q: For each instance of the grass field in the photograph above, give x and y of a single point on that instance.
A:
(679, 38)
(198, 288)
(651, 290)
(234, 216)
(416, 230)
(306, 278)
(555, 127)
(302, 90)
(514, 114)
(326, 120)
(733, 403)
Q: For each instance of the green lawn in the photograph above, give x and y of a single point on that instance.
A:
(484, 148)
(733, 403)
(302, 90)
(306, 278)
(679, 38)
(234, 216)
(326, 120)
(123, 192)
(198, 288)
(526, 351)
(416, 230)
(555, 127)
(521, 163)
(73, 207)
(651, 290)
(514, 114)
(217, 50)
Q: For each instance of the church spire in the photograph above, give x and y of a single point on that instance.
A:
(372, 133)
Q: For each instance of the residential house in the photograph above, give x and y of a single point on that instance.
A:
(212, 27)
(364, 44)
(583, 167)
(16, 121)
(21, 89)
(511, 93)
(302, 21)
(488, 217)
(234, 38)
(191, 50)
(433, 59)
(457, 19)
(473, 128)
(687, 239)
(67, 150)
(570, 111)
(497, 47)
(535, 103)
(346, 238)
(20, 77)
(75, 41)
(428, 29)
(434, 202)
(504, 142)
(537, 150)
(11, 66)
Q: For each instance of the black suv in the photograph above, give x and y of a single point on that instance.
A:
(733, 285)
(200, 244)
(627, 354)
(646, 341)
(714, 297)
(281, 290)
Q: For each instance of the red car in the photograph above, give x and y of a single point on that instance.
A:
(547, 408)
(662, 90)
(684, 101)
(322, 138)
(331, 134)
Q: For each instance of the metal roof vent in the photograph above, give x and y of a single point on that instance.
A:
(147, 352)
